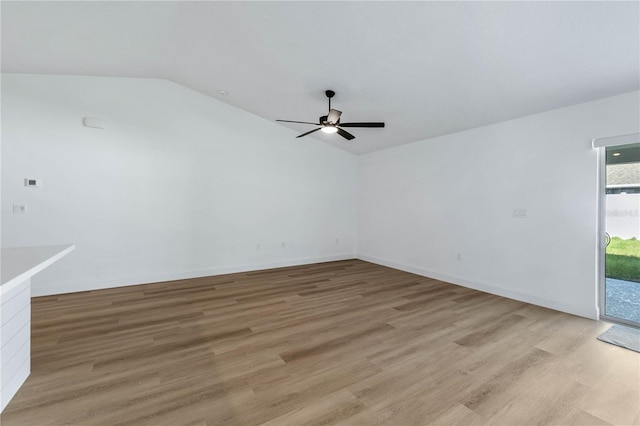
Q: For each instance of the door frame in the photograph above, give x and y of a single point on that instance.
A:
(602, 228)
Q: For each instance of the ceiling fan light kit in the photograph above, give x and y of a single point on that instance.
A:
(329, 129)
(330, 123)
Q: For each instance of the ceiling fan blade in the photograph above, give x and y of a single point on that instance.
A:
(301, 122)
(334, 116)
(345, 134)
(372, 124)
(311, 131)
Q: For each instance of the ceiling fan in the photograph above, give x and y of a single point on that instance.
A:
(330, 123)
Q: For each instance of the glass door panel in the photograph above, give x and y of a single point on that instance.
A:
(622, 225)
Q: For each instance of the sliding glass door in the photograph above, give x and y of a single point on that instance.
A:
(620, 292)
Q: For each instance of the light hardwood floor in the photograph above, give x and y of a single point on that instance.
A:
(335, 343)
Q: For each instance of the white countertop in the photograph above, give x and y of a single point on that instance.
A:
(21, 263)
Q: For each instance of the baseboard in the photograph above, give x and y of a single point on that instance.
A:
(590, 312)
(61, 288)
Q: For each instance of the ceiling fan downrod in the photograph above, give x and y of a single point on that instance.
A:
(330, 94)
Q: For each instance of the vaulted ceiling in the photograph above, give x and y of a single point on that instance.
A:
(425, 68)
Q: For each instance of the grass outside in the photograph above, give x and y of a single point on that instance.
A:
(623, 259)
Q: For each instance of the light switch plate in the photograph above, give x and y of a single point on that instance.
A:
(19, 208)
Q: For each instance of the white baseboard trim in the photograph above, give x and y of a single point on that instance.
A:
(61, 288)
(591, 312)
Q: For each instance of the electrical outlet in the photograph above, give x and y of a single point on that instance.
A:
(282, 244)
(459, 257)
(337, 240)
(258, 246)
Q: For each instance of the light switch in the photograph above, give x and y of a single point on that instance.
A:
(19, 208)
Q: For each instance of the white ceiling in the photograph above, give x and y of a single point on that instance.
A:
(425, 68)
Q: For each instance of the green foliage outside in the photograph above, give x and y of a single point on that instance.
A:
(623, 259)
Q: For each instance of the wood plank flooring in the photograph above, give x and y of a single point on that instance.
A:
(336, 343)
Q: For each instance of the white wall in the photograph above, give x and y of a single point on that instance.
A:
(177, 185)
(421, 204)
(180, 185)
